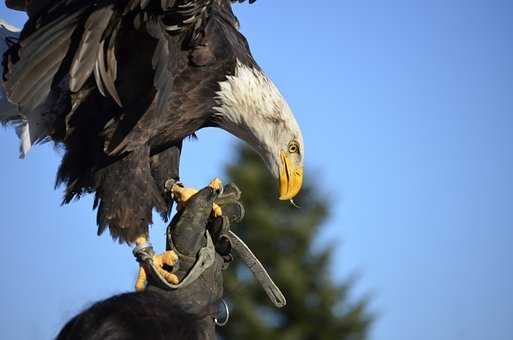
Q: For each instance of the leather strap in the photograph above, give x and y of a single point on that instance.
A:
(255, 266)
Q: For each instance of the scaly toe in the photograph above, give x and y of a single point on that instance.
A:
(182, 194)
(216, 184)
(169, 277)
(217, 211)
(169, 258)
(141, 282)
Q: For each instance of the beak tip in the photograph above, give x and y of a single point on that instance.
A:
(288, 196)
(291, 180)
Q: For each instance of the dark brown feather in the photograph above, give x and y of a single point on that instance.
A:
(162, 59)
(126, 194)
(34, 76)
(87, 53)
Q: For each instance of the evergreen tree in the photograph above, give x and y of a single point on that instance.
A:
(282, 237)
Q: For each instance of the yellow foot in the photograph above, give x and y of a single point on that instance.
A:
(168, 258)
(216, 184)
(182, 194)
(216, 210)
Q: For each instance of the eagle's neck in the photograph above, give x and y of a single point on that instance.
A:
(249, 106)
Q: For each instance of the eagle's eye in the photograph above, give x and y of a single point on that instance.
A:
(293, 147)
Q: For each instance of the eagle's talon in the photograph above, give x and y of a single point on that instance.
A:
(169, 277)
(142, 279)
(182, 194)
(169, 258)
(216, 184)
(216, 210)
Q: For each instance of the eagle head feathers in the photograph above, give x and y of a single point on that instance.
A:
(252, 108)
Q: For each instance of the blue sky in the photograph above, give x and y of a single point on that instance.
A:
(407, 112)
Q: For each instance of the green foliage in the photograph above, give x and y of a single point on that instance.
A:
(282, 237)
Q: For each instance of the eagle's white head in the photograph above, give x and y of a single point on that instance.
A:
(252, 108)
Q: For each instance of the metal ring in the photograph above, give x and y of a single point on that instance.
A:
(227, 318)
(141, 247)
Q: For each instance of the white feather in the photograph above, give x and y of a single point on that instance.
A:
(7, 109)
(9, 27)
(252, 108)
(23, 131)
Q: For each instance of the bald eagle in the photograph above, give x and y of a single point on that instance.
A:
(119, 84)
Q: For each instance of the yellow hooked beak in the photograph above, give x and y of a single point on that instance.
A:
(291, 178)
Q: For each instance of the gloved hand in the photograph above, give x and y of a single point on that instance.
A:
(204, 250)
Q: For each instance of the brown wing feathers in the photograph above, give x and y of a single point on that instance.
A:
(87, 53)
(70, 52)
(29, 79)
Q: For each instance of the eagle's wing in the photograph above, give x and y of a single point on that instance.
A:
(75, 41)
(49, 61)
(8, 111)
(175, 17)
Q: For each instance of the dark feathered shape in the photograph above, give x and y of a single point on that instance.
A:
(32, 71)
(88, 51)
(120, 84)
